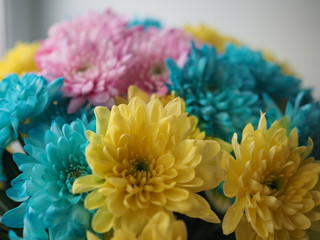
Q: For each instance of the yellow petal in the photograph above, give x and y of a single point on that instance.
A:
(134, 91)
(155, 110)
(91, 236)
(301, 221)
(86, 183)
(115, 203)
(176, 194)
(173, 107)
(232, 218)
(94, 200)
(103, 117)
(195, 206)
(122, 234)
(244, 231)
(102, 221)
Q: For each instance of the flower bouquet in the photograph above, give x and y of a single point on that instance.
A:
(113, 128)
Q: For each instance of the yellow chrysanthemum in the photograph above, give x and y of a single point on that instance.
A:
(19, 60)
(160, 227)
(210, 36)
(134, 91)
(143, 162)
(275, 185)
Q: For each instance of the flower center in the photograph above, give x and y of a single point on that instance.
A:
(274, 184)
(157, 68)
(76, 168)
(84, 67)
(76, 173)
(141, 165)
(141, 170)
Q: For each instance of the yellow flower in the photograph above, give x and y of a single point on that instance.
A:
(160, 227)
(19, 60)
(275, 185)
(143, 162)
(210, 36)
(134, 91)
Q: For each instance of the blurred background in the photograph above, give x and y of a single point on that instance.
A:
(288, 28)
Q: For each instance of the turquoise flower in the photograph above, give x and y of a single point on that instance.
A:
(254, 73)
(304, 114)
(21, 99)
(55, 159)
(220, 107)
(56, 111)
(145, 23)
(8, 126)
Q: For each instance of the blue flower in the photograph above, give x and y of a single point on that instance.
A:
(55, 159)
(255, 74)
(304, 114)
(55, 111)
(220, 107)
(145, 23)
(20, 99)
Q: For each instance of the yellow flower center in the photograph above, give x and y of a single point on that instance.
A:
(274, 184)
(141, 165)
(84, 67)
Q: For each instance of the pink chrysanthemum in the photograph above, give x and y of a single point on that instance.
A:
(99, 57)
(91, 53)
(153, 47)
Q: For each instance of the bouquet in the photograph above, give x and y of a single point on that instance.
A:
(119, 128)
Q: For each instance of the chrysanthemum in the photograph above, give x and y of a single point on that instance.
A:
(23, 98)
(214, 38)
(19, 60)
(160, 227)
(90, 52)
(44, 186)
(304, 114)
(210, 36)
(152, 48)
(256, 74)
(143, 162)
(134, 91)
(56, 111)
(274, 183)
(220, 107)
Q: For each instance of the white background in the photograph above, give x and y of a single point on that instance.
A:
(288, 28)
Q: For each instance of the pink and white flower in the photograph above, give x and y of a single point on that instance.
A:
(91, 54)
(153, 47)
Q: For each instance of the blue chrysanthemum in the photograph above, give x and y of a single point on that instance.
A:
(23, 98)
(303, 114)
(251, 71)
(145, 23)
(44, 187)
(220, 107)
(55, 111)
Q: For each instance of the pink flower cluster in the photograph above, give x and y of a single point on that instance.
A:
(99, 56)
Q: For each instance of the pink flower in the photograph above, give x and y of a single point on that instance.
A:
(91, 54)
(153, 47)
(99, 57)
